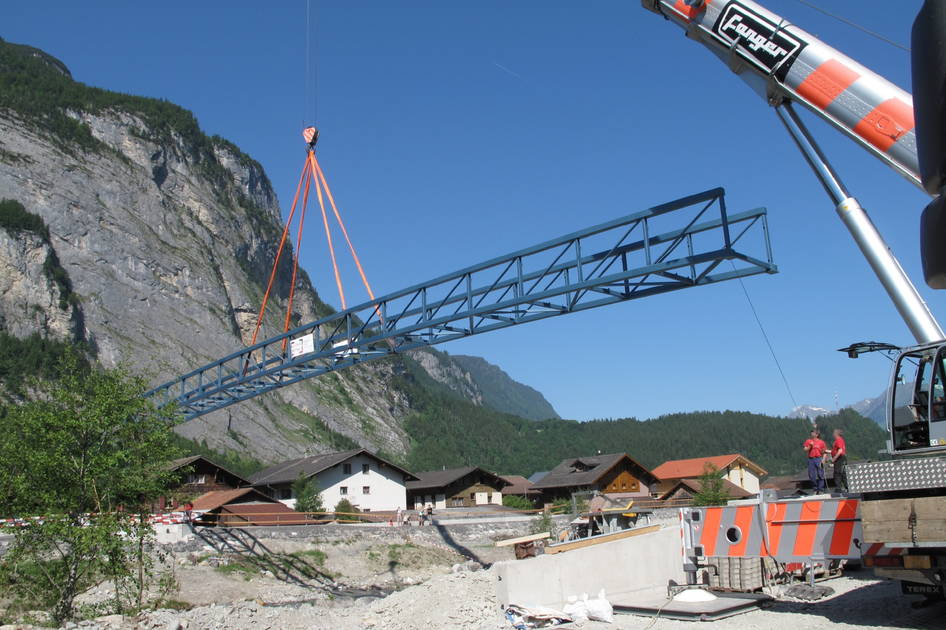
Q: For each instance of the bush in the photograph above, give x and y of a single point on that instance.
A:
(345, 511)
(542, 523)
(517, 502)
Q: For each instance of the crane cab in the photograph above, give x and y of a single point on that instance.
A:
(916, 401)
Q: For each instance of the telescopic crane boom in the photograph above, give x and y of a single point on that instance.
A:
(783, 62)
(895, 515)
(787, 65)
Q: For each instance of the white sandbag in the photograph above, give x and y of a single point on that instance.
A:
(576, 608)
(600, 609)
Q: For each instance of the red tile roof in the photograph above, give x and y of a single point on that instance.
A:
(241, 514)
(690, 468)
(217, 498)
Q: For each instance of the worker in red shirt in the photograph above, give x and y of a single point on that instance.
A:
(816, 448)
(839, 460)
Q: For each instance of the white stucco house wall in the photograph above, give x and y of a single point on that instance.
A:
(370, 483)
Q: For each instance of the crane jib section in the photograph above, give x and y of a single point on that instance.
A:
(782, 61)
(677, 245)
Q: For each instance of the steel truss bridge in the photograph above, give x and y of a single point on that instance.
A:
(677, 245)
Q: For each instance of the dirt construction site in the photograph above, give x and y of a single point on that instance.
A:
(352, 577)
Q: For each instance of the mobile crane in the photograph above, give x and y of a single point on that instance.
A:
(894, 518)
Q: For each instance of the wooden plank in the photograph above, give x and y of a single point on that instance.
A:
(603, 538)
(522, 539)
(888, 520)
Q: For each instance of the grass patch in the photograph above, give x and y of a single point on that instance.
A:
(316, 556)
(239, 567)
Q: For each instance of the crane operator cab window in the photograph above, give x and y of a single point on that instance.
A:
(918, 409)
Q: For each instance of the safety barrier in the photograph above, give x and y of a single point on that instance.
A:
(298, 518)
(790, 530)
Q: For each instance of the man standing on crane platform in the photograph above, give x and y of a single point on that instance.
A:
(839, 460)
(815, 447)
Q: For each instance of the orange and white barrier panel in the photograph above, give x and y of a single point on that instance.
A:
(789, 530)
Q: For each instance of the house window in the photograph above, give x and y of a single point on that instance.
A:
(366, 489)
(365, 468)
(285, 493)
(473, 497)
(346, 468)
(343, 490)
(196, 480)
(457, 501)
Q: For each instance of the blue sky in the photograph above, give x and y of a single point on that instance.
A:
(454, 132)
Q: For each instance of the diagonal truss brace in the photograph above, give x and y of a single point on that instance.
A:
(625, 259)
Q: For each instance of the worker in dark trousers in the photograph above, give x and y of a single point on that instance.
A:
(816, 448)
(839, 460)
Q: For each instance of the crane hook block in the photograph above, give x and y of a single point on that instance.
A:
(311, 135)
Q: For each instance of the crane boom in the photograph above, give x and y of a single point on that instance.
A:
(782, 62)
(785, 64)
(898, 504)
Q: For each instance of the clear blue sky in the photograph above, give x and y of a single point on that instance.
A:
(448, 130)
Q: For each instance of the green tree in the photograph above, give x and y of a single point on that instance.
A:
(345, 511)
(308, 495)
(87, 454)
(712, 490)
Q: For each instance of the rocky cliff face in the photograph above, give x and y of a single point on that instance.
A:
(168, 276)
(30, 300)
(166, 237)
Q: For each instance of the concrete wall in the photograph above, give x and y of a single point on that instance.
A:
(632, 569)
(472, 533)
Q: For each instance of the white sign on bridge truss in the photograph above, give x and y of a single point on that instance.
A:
(303, 345)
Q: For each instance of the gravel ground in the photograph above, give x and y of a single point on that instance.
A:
(465, 600)
(437, 589)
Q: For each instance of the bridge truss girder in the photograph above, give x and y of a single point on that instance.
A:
(625, 259)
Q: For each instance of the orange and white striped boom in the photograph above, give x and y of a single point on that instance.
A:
(784, 62)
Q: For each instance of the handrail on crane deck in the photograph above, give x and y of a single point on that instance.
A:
(556, 277)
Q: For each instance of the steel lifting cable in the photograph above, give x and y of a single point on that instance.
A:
(328, 232)
(282, 243)
(341, 224)
(311, 173)
(295, 261)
